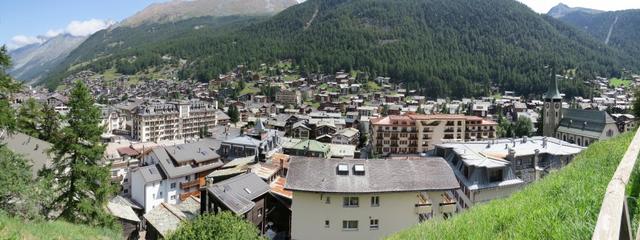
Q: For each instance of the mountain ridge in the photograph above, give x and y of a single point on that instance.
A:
(32, 62)
(177, 10)
(562, 10)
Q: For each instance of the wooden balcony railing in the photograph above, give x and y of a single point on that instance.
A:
(614, 220)
(186, 195)
(189, 184)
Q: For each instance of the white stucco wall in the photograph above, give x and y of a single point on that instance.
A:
(309, 212)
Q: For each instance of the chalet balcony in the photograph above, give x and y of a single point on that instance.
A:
(189, 184)
(186, 195)
(423, 208)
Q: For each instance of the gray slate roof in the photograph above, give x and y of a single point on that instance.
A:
(166, 217)
(576, 119)
(200, 151)
(32, 149)
(162, 157)
(238, 193)
(381, 175)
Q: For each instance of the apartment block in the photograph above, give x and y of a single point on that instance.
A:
(172, 120)
(414, 133)
(366, 199)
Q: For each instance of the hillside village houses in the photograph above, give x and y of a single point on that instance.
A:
(326, 156)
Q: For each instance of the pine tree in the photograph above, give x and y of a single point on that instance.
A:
(7, 88)
(50, 125)
(83, 184)
(233, 114)
(30, 117)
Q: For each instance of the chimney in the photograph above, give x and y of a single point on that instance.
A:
(524, 139)
(544, 142)
(536, 164)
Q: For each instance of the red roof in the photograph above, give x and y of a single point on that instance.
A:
(277, 187)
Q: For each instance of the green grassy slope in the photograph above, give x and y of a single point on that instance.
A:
(11, 228)
(564, 205)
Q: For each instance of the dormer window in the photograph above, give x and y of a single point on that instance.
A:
(358, 169)
(343, 169)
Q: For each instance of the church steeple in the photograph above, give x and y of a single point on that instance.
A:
(552, 92)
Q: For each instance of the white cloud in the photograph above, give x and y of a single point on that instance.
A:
(53, 32)
(75, 28)
(22, 40)
(86, 28)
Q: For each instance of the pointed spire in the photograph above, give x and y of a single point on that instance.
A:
(552, 92)
(259, 126)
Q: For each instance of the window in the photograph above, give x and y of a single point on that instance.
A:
(126, 180)
(350, 202)
(326, 224)
(350, 225)
(161, 194)
(188, 178)
(495, 175)
(327, 200)
(173, 185)
(375, 201)
(126, 191)
(259, 212)
(373, 224)
(173, 197)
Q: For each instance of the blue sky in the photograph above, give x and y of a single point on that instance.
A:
(31, 18)
(21, 21)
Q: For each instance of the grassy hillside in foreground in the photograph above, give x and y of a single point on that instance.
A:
(11, 228)
(564, 205)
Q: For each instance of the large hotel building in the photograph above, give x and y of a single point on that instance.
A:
(412, 133)
(172, 120)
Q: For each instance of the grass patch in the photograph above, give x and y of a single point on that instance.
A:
(616, 82)
(11, 228)
(313, 104)
(564, 205)
(373, 86)
(249, 89)
(110, 75)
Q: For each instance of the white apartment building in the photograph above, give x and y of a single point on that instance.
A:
(173, 174)
(173, 120)
(366, 199)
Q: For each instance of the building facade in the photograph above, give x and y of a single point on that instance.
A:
(403, 134)
(291, 97)
(361, 199)
(174, 120)
(495, 169)
(173, 174)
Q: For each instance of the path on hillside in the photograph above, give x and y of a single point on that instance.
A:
(606, 41)
(308, 24)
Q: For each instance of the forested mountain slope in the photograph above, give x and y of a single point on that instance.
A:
(617, 29)
(455, 47)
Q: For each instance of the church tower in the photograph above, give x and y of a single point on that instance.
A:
(552, 109)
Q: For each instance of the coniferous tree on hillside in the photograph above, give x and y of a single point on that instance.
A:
(7, 88)
(82, 182)
(29, 118)
(50, 126)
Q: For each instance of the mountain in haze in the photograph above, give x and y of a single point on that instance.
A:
(617, 29)
(562, 10)
(177, 10)
(32, 62)
(455, 47)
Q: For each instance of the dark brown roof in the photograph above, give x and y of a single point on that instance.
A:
(381, 175)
